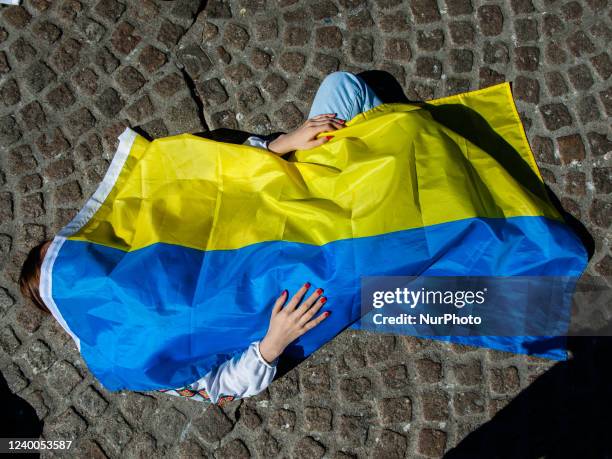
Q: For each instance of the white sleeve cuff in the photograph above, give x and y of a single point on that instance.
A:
(255, 141)
(261, 359)
(243, 375)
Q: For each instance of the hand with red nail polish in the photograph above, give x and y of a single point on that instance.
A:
(305, 137)
(290, 320)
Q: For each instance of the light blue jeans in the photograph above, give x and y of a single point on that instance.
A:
(344, 94)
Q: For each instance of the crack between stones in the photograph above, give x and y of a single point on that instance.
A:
(201, 8)
(193, 92)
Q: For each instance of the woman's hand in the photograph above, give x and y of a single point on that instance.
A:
(292, 321)
(305, 137)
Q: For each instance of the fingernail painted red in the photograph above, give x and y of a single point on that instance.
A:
(326, 313)
(319, 291)
(285, 293)
(307, 285)
(323, 300)
(329, 137)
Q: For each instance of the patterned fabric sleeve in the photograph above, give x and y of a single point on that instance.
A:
(242, 376)
(197, 395)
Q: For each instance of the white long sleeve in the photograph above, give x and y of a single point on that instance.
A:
(255, 141)
(244, 375)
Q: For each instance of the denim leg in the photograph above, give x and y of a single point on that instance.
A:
(345, 94)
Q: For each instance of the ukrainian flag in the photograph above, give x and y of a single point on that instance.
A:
(173, 265)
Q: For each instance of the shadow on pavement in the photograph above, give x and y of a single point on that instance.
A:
(18, 417)
(564, 413)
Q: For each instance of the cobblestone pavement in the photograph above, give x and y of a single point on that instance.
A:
(74, 74)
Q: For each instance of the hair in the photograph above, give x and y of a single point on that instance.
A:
(29, 279)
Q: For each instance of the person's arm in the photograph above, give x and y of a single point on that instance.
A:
(252, 371)
(244, 375)
(303, 138)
